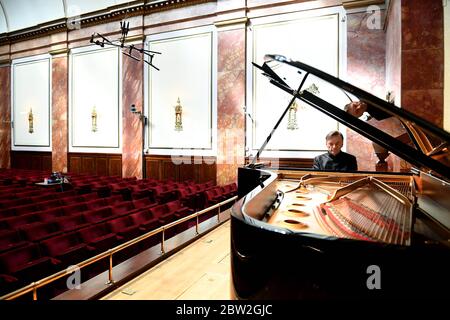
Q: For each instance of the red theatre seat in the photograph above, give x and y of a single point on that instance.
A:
(95, 216)
(178, 209)
(96, 204)
(145, 220)
(125, 228)
(67, 224)
(27, 263)
(10, 240)
(69, 248)
(40, 231)
(163, 214)
(143, 203)
(99, 236)
(122, 208)
(50, 214)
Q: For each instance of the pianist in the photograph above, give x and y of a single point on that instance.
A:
(335, 159)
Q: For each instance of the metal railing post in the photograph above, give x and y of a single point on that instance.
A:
(162, 241)
(218, 216)
(110, 271)
(34, 291)
(196, 224)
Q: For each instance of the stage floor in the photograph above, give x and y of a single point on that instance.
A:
(201, 271)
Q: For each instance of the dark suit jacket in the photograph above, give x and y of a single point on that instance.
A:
(341, 162)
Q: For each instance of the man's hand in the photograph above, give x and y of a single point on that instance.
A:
(356, 108)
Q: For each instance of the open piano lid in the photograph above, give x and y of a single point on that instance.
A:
(428, 146)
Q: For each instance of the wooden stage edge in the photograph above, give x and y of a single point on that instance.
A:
(97, 287)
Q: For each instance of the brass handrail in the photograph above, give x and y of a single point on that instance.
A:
(109, 253)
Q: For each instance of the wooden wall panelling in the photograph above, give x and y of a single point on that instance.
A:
(102, 166)
(152, 169)
(169, 170)
(206, 171)
(115, 167)
(31, 160)
(186, 172)
(88, 165)
(163, 168)
(96, 163)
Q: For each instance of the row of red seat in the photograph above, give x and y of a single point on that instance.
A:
(47, 231)
(32, 261)
(158, 194)
(115, 203)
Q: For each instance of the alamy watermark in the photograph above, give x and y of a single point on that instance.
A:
(231, 151)
(74, 280)
(373, 282)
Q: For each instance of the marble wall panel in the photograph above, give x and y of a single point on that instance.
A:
(59, 113)
(366, 52)
(5, 116)
(231, 99)
(132, 77)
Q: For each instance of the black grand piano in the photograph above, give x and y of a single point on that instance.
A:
(304, 234)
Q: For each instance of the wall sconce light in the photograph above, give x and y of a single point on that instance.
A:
(94, 120)
(178, 116)
(292, 117)
(30, 121)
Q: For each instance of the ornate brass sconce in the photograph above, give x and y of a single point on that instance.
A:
(178, 116)
(30, 121)
(94, 120)
(292, 117)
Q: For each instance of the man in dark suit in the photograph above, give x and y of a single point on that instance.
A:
(335, 159)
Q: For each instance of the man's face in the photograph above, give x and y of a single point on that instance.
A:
(334, 144)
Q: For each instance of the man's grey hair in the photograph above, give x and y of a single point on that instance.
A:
(334, 133)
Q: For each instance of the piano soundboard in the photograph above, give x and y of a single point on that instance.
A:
(366, 212)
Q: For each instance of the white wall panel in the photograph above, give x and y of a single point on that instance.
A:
(31, 93)
(314, 39)
(94, 82)
(186, 72)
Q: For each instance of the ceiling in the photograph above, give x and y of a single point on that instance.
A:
(20, 14)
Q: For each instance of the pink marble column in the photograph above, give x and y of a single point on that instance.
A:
(423, 59)
(5, 116)
(231, 99)
(394, 50)
(59, 113)
(132, 84)
(366, 70)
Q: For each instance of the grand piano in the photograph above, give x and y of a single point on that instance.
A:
(304, 234)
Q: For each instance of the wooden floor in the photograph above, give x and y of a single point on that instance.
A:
(201, 271)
